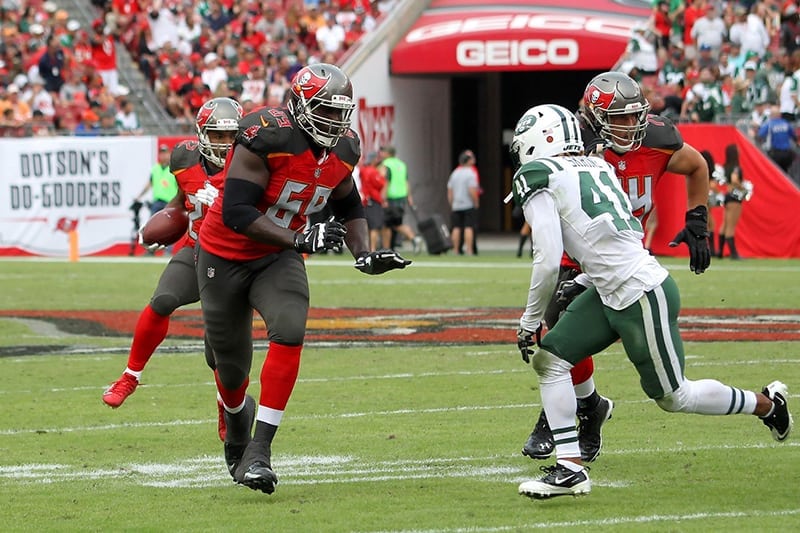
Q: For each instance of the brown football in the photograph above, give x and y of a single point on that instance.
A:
(166, 226)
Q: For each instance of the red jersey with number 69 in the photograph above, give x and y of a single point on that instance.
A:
(299, 183)
(187, 165)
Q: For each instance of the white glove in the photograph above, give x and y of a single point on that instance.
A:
(155, 247)
(207, 194)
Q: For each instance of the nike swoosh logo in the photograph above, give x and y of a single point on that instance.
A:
(561, 480)
(263, 122)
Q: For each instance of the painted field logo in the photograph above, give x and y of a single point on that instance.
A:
(428, 326)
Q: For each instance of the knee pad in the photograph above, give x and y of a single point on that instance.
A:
(677, 400)
(549, 367)
(164, 304)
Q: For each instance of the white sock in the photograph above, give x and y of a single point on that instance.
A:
(135, 373)
(585, 389)
(571, 466)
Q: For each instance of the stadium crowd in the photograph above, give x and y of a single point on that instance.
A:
(57, 76)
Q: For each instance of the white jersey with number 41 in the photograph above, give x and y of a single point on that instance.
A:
(597, 227)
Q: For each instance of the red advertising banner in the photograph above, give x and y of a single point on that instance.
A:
(768, 226)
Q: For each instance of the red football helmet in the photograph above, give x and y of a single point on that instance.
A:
(321, 100)
(217, 114)
(614, 94)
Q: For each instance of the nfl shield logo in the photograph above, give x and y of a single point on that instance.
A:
(317, 172)
(211, 272)
(622, 165)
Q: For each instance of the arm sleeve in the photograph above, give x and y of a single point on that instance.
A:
(548, 246)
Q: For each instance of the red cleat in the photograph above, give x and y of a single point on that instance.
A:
(120, 390)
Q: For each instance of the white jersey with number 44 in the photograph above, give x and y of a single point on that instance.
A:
(575, 205)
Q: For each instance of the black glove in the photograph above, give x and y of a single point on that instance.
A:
(328, 235)
(380, 261)
(568, 290)
(526, 340)
(596, 146)
(695, 235)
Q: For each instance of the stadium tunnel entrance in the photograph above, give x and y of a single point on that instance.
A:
(485, 108)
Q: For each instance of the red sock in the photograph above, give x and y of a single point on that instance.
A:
(151, 330)
(279, 374)
(231, 398)
(582, 371)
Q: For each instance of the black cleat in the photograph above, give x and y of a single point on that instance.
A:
(780, 421)
(254, 470)
(237, 434)
(540, 444)
(557, 481)
(590, 424)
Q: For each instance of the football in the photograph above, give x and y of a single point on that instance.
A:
(166, 226)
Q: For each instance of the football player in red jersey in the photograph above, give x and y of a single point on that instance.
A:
(197, 166)
(642, 148)
(286, 163)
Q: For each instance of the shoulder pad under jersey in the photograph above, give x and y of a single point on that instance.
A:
(184, 155)
(348, 149)
(532, 177)
(266, 130)
(662, 134)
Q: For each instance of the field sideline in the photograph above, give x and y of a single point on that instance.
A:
(420, 433)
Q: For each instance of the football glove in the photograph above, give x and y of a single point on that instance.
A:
(328, 235)
(380, 261)
(207, 194)
(155, 247)
(527, 340)
(567, 291)
(695, 235)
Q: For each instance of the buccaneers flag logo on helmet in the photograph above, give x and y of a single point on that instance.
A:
(308, 84)
(596, 97)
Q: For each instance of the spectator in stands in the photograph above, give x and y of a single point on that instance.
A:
(52, 64)
(39, 99)
(73, 90)
(309, 23)
(213, 73)
(779, 139)
(330, 36)
(127, 119)
(255, 86)
(104, 55)
(662, 27)
(694, 10)
(710, 30)
(108, 123)
(272, 26)
(189, 31)
(89, 124)
(163, 26)
(20, 109)
(353, 34)
(707, 57)
(40, 126)
(218, 16)
(277, 89)
(704, 101)
(196, 96)
(789, 88)
(790, 28)
(749, 31)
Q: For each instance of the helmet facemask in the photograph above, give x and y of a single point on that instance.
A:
(325, 121)
(623, 137)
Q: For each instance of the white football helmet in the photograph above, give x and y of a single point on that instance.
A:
(545, 130)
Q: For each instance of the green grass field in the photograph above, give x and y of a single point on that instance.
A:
(400, 436)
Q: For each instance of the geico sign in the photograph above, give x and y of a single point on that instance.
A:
(558, 22)
(526, 52)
